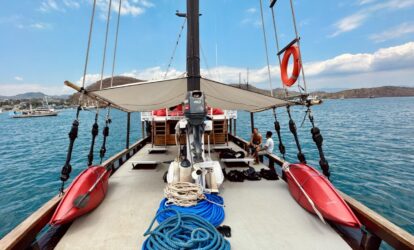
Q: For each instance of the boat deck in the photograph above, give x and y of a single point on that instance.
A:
(261, 214)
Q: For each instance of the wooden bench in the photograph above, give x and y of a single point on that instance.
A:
(238, 162)
(157, 150)
(144, 164)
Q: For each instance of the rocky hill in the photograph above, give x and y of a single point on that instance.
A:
(32, 95)
(386, 91)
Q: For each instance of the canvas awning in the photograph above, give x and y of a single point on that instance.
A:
(148, 96)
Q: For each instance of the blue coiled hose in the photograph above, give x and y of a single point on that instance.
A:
(183, 231)
(207, 209)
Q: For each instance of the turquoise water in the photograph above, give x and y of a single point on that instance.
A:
(369, 144)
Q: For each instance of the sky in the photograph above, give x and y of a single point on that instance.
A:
(344, 44)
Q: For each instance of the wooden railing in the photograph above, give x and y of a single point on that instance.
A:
(24, 234)
(377, 227)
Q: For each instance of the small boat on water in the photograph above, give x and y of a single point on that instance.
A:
(42, 111)
(220, 202)
(33, 113)
(314, 100)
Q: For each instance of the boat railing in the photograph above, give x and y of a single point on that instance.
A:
(376, 227)
(26, 232)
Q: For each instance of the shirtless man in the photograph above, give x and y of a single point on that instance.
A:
(255, 141)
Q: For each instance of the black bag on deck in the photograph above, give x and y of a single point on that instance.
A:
(231, 154)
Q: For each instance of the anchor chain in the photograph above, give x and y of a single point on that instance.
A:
(293, 130)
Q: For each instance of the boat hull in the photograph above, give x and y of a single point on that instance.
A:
(324, 195)
(36, 115)
(66, 210)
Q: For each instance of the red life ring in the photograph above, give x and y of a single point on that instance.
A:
(289, 81)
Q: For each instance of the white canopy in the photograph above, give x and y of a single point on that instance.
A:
(147, 96)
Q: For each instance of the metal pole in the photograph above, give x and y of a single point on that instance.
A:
(142, 129)
(128, 129)
(193, 45)
(235, 127)
(252, 120)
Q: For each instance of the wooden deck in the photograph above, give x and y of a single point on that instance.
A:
(261, 214)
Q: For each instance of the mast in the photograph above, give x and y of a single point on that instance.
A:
(193, 45)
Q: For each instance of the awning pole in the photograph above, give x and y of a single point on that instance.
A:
(128, 129)
(252, 120)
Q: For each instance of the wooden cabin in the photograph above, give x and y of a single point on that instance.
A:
(162, 125)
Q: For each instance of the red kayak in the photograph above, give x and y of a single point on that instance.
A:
(323, 194)
(84, 194)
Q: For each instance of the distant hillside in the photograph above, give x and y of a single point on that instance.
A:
(386, 91)
(106, 83)
(32, 95)
(278, 92)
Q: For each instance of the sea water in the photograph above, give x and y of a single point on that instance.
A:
(369, 144)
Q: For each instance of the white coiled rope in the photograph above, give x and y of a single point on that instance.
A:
(183, 194)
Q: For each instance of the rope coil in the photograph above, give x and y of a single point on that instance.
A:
(183, 194)
(188, 198)
(183, 231)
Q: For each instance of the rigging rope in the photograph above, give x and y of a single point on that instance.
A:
(89, 44)
(106, 41)
(318, 139)
(116, 42)
(67, 167)
(266, 49)
(94, 132)
(73, 134)
(205, 61)
(293, 130)
(282, 148)
(298, 41)
(175, 48)
(278, 48)
(105, 133)
(183, 231)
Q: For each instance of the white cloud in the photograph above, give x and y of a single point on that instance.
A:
(349, 23)
(40, 26)
(387, 66)
(35, 26)
(128, 7)
(18, 78)
(71, 4)
(90, 78)
(357, 19)
(363, 2)
(251, 18)
(393, 33)
(50, 5)
(251, 10)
